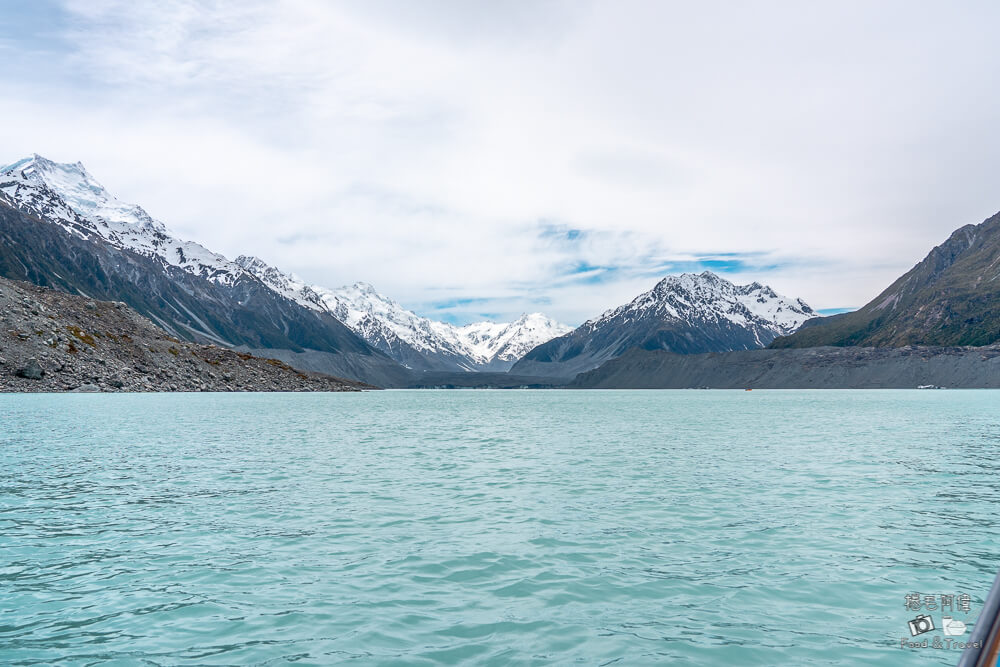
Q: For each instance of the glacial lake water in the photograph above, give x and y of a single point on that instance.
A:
(493, 527)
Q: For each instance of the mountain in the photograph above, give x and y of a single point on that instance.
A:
(416, 342)
(60, 228)
(686, 314)
(951, 297)
(32, 182)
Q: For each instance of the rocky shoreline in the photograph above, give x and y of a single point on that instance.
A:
(55, 342)
(804, 368)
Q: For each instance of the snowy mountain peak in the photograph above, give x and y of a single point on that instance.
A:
(691, 281)
(251, 262)
(510, 342)
(705, 297)
(81, 191)
(67, 194)
(365, 288)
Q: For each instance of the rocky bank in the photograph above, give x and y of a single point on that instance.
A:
(51, 342)
(810, 368)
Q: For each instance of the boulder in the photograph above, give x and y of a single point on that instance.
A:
(31, 371)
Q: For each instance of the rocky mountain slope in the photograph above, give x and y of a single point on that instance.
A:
(60, 228)
(951, 297)
(416, 342)
(686, 314)
(52, 341)
(812, 368)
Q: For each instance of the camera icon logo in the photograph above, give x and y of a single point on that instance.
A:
(921, 624)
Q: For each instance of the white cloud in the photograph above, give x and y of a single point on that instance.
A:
(422, 146)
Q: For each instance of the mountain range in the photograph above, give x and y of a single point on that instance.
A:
(108, 248)
(416, 342)
(61, 228)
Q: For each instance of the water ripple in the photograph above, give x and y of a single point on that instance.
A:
(508, 528)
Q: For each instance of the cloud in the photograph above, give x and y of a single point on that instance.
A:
(525, 153)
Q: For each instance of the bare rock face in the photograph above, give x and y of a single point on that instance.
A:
(949, 299)
(31, 371)
(51, 341)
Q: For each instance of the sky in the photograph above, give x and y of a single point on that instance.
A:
(479, 159)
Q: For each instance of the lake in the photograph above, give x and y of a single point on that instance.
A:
(494, 527)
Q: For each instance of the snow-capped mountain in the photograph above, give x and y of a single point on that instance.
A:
(416, 342)
(686, 314)
(62, 229)
(69, 196)
(697, 297)
(510, 342)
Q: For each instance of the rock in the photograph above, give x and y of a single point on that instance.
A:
(87, 388)
(32, 371)
(90, 305)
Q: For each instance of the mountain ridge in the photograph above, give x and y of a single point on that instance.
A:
(951, 297)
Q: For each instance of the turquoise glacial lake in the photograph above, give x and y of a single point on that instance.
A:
(494, 527)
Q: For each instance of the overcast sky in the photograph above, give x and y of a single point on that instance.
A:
(481, 158)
